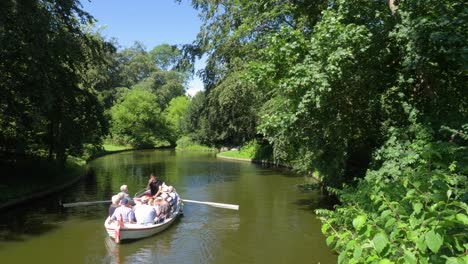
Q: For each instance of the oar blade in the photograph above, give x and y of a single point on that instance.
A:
(226, 206)
(219, 205)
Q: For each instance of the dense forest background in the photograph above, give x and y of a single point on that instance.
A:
(370, 97)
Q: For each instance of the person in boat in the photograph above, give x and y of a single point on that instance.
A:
(165, 196)
(174, 197)
(154, 185)
(124, 194)
(169, 195)
(114, 204)
(162, 209)
(128, 215)
(145, 213)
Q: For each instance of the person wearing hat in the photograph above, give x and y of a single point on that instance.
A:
(145, 213)
(126, 211)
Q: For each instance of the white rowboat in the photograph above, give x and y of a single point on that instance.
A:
(137, 231)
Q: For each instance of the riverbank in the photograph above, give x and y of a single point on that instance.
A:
(240, 156)
(32, 177)
(29, 178)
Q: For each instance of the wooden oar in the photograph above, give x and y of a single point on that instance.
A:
(84, 203)
(220, 205)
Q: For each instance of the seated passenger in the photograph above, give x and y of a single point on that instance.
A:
(174, 197)
(162, 209)
(124, 194)
(114, 204)
(145, 213)
(126, 211)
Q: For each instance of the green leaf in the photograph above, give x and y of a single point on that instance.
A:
(357, 252)
(325, 227)
(386, 261)
(433, 241)
(409, 257)
(390, 222)
(463, 218)
(385, 213)
(417, 207)
(330, 240)
(453, 260)
(380, 241)
(421, 245)
(350, 245)
(343, 258)
(359, 221)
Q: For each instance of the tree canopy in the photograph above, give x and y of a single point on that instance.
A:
(46, 56)
(350, 89)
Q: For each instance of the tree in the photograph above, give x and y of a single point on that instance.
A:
(175, 115)
(193, 116)
(135, 64)
(165, 56)
(166, 85)
(231, 112)
(356, 90)
(137, 120)
(46, 55)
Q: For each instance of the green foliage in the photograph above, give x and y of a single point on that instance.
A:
(252, 150)
(135, 65)
(230, 112)
(166, 57)
(185, 143)
(350, 89)
(411, 210)
(175, 116)
(166, 85)
(192, 122)
(112, 147)
(48, 100)
(137, 119)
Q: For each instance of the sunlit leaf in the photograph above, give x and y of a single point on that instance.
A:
(380, 241)
(433, 241)
(410, 258)
(359, 221)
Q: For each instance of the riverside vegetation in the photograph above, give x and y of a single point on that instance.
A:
(369, 96)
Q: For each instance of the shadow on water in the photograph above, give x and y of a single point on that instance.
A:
(18, 226)
(316, 201)
(44, 215)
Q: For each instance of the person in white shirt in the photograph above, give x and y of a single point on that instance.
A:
(145, 213)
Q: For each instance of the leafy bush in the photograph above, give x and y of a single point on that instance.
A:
(187, 144)
(137, 119)
(411, 210)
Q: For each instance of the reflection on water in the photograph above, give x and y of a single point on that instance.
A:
(275, 223)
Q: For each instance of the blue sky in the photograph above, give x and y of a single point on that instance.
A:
(151, 22)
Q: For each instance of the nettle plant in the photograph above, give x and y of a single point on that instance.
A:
(411, 210)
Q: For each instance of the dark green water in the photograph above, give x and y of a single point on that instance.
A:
(275, 223)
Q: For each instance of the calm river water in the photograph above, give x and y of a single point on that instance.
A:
(275, 223)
